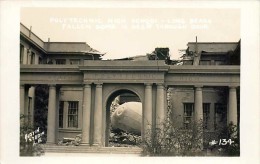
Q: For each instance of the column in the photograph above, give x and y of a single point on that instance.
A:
(98, 115)
(160, 110)
(51, 115)
(148, 112)
(31, 112)
(57, 103)
(29, 57)
(198, 106)
(25, 56)
(86, 114)
(232, 106)
(36, 58)
(22, 99)
(26, 103)
(198, 114)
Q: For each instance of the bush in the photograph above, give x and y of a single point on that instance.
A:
(28, 148)
(227, 135)
(169, 140)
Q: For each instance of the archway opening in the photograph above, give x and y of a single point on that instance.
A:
(123, 119)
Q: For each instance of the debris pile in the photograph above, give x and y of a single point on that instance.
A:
(124, 139)
(70, 141)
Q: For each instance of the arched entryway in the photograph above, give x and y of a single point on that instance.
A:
(122, 96)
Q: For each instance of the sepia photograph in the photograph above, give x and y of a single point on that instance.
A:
(142, 81)
(132, 80)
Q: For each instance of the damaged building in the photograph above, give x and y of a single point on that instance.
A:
(80, 87)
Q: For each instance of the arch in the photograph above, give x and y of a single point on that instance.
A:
(118, 88)
(112, 94)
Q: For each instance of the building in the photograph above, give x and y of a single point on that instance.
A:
(34, 51)
(215, 99)
(81, 86)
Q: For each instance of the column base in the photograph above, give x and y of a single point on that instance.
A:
(50, 143)
(96, 145)
(84, 144)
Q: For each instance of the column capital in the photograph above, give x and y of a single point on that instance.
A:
(52, 85)
(33, 85)
(198, 86)
(160, 85)
(232, 87)
(87, 85)
(148, 84)
(99, 85)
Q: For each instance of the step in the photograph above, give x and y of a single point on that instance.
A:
(88, 149)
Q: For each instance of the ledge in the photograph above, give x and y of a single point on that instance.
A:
(49, 68)
(69, 130)
(219, 69)
(107, 65)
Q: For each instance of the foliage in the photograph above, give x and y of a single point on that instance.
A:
(28, 148)
(114, 105)
(41, 108)
(169, 140)
(230, 132)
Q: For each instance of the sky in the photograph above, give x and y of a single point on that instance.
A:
(125, 32)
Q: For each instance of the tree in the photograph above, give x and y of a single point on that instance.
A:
(41, 108)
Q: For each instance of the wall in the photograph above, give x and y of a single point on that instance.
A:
(213, 47)
(37, 53)
(71, 93)
(68, 57)
(180, 95)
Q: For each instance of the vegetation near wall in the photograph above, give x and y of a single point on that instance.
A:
(169, 140)
(29, 139)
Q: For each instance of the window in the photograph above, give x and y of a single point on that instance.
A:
(205, 62)
(61, 107)
(188, 114)
(40, 60)
(29, 109)
(32, 58)
(21, 53)
(220, 115)
(73, 114)
(74, 61)
(60, 61)
(206, 112)
(187, 62)
(219, 62)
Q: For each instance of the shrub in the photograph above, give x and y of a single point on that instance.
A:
(227, 135)
(170, 140)
(28, 148)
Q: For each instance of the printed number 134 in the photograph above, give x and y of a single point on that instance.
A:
(225, 141)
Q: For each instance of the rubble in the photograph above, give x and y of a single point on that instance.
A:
(70, 141)
(124, 139)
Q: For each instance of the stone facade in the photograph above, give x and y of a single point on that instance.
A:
(82, 87)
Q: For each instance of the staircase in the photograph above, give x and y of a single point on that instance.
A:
(54, 149)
